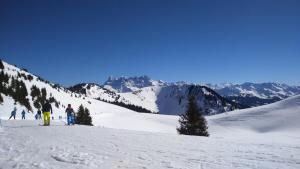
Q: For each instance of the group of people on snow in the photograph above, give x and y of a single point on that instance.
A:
(47, 111)
(14, 113)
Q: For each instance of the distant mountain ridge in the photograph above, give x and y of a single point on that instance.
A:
(130, 84)
(147, 93)
(157, 96)
(256, 94)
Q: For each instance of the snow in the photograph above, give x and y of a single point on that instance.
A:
(260, 90)
(280, 116)
(145, 97)
(65, 97)
(265, 137)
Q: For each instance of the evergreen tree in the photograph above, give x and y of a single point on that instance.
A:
(29, 77)
(192, 122)
(83, 116)
(1, 98)
(35, 92)
(2, 86)
(88, 119)
(19, 93)
(1, 64)
(37, 104)
(43, 98)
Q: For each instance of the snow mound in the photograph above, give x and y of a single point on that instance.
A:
(282, 116)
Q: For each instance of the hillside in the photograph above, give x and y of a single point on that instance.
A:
(282, 116)
(60, 96)
(239, 139)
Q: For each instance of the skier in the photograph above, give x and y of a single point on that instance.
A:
(47, 109)
(23, 114)
(39, 114)
(70, 115)
(13, 113)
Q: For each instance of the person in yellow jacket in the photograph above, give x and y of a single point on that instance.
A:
(47, 109)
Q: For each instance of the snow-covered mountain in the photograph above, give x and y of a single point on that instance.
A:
(247, 94)
(171, 98)
(158, 96)
(130, 84)
(255, 94)
(21, 89)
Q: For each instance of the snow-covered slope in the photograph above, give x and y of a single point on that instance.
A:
(62, 95)
(265, 137)
(93, 90)
(282, 116)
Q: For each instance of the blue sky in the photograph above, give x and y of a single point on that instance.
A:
(205, 41)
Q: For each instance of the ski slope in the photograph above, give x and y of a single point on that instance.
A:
(265, 137)
(25, 145)
(282, 116)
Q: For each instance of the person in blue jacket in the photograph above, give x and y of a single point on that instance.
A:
(13, 113)
(39, 114)
(70, 115)
(23, 114)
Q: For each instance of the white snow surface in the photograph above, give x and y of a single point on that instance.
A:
(265, 137)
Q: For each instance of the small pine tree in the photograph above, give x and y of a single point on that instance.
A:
(83, 116)
(192, 122)
(1, 98)
(88, 120)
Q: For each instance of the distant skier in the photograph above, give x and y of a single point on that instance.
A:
(23, 114)
(39, 114)
(13, 113)
(70, 115)
(47, 109)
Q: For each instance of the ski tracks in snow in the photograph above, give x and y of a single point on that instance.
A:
(29, 146)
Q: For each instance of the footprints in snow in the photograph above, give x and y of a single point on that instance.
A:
(76, 157)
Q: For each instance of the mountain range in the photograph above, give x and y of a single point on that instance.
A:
(140, 94)
(170, 98)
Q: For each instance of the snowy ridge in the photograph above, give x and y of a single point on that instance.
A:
(256, 94)
(130, 84)
(93, 90)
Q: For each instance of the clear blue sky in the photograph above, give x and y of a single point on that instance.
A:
(71, 41)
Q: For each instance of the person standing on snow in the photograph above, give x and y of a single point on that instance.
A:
(39, 114)
(23, 114)
(47, 109)
(70, 115)
(13, 114)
